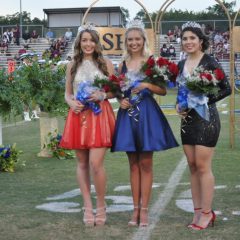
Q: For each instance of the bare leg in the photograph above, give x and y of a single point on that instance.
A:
(146, 185)
(135, 186)
(96, 157)
(195, 182)
(204, 157)
(83, 177)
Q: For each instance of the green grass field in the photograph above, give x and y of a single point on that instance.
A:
(30, 186)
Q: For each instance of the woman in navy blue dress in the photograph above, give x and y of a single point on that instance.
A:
(141, 127)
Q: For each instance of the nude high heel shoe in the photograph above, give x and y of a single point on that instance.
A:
(88, 217)
(134, 222)
(143, 223)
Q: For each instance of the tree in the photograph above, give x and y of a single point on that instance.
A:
(218, 10)
(15, 18)
(126, 16)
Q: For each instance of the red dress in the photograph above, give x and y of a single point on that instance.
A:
(86, 130)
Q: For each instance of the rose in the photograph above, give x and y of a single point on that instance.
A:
(106, 88)
(162, 62)
(207, 76)
(219, 74)
(149, 72)
(151, 62)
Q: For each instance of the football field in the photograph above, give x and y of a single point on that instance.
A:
(42, 201)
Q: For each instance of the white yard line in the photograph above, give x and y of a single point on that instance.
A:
(163, 200)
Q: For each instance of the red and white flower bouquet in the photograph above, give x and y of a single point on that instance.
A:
(159, 71)
(204, 81)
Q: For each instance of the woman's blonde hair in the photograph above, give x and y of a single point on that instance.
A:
(146, 51)
(97, 54)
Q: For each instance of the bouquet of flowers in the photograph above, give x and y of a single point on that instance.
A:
(85, 89)
(193, 92)
(101, 84)
(160, 71)
(108, 84)
(9, 157)
(53, 146)
(205, 81)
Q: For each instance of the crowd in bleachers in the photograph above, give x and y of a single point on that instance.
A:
(219, 43)
(58, 45)
(48, 47)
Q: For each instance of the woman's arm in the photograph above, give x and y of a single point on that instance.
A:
(75, 105)
(225, 88)
(153, 88)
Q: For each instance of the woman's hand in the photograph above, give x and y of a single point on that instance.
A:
(181, 114)
(139, 88)
(97, 96)
(76, 106)
(125, 104)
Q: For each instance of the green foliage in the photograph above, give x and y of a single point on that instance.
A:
(30, 85)
(53, 146)
(218, 10)
(9, 157)
(46, 86)
(14, 19)
(13, 92)
(126, 16)
(214, 12)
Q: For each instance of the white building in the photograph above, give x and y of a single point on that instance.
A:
(72, 17)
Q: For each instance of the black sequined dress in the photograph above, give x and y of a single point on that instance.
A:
(195, 130)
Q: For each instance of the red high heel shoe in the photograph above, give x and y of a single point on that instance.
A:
(192, 224)
(211, 221)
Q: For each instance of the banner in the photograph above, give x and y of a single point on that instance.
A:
(112, 39)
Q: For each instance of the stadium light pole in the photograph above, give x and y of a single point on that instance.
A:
(20, 19)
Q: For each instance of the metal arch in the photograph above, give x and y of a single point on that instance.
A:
(159, 16)
(234, 24)
(137, 1)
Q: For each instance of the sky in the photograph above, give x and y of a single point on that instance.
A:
(35, 7)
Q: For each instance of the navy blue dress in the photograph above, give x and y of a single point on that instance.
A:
(143, 128)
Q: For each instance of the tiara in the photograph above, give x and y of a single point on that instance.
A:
(136, 23)
(191, 24)
(87, 26)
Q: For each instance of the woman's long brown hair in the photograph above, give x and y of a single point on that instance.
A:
(97, 54)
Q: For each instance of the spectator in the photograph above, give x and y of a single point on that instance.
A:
(170, 36)
(164, 51)
(172, 51)
(6, 36)
(68, 35)
(226, 47)
(3, 46)
(26, 37)
(34, 36)
(49, 35)
(218, 38)
(16, 35)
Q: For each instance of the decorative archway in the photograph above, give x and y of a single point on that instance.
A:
(158, 20)
(236, 46)
(150, 31)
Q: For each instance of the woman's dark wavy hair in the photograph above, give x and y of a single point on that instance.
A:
(200, 34)
(97, 54)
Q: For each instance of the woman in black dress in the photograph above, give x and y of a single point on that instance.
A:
(199, 136)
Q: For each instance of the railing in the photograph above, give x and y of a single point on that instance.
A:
(30, 28)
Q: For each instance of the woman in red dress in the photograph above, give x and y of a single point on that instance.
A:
(88, 133)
